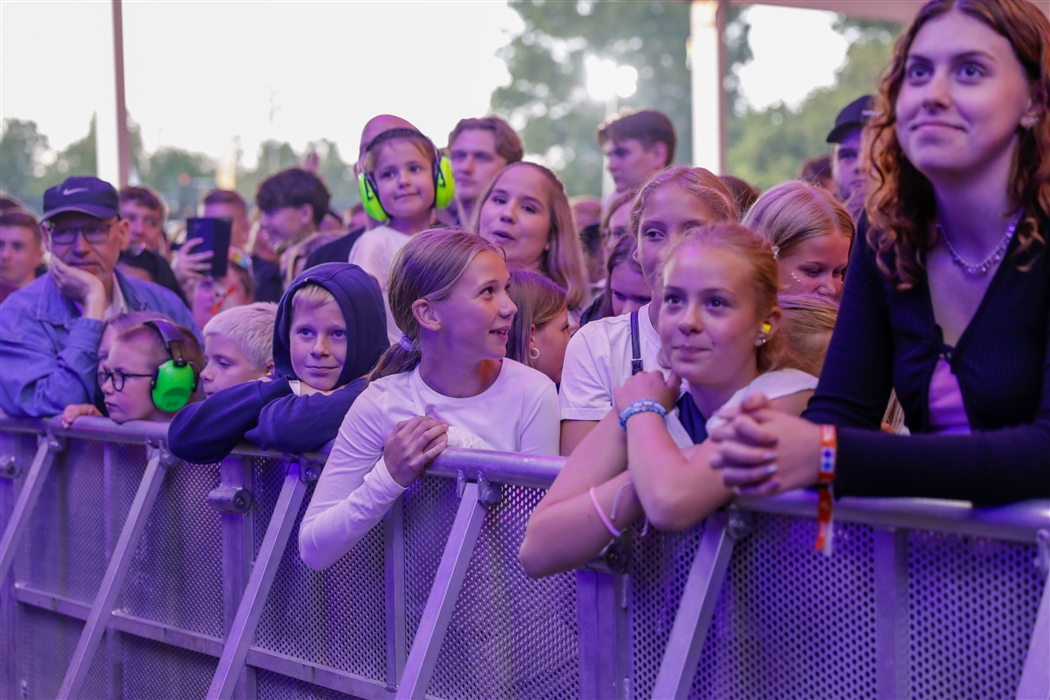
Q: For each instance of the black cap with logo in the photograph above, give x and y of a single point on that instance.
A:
(82, 194)
(854, 116)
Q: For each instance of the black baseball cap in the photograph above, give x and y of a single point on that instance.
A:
(83, 194)
(854, 116)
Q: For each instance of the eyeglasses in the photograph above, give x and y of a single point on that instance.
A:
(94, 233)
(118, 377)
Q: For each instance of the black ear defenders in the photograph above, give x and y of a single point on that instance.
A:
(174, 382)
(444, 183)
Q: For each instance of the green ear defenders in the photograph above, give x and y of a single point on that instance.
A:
(174, 382)
(444, 182)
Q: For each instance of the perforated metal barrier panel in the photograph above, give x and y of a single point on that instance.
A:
(788, 622)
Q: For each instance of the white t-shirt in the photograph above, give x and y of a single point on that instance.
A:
(775, 385)
(518, 413)
(599, 358)
(374, 252)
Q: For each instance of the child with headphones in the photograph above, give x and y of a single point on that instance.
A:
(151, 372)
(329, 332)
(403, 180)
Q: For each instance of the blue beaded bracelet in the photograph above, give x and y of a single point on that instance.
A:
(641, 406)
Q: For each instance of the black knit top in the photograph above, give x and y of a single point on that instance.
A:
(886, 339)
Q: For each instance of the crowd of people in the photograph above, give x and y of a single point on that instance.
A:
(684, 341)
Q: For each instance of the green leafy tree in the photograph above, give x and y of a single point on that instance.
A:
(21, 149)
(337, 174)
(548, 102)
(547, 98)
(767, 147)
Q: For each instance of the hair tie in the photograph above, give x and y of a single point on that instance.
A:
(776, 252)
(405, 343)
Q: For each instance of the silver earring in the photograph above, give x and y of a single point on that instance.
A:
(534, 353)
(762, 341)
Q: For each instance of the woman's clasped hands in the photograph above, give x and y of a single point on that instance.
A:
(764, 451)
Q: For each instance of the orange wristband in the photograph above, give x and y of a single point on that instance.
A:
(829, 447)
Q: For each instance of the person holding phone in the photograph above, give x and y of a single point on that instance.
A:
(236, 287)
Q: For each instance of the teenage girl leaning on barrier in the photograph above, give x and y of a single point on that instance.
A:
(719, 327)
(948, 294)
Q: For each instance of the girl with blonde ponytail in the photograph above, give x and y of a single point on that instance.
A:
(446, 382)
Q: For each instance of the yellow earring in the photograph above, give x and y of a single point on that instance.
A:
(766, 328)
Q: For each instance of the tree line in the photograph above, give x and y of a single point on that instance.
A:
(546, 100)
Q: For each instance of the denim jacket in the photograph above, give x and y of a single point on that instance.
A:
(49, 353)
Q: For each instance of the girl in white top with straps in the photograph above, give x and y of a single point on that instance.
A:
(719, 327)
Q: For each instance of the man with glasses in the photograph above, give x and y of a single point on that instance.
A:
(50, 329)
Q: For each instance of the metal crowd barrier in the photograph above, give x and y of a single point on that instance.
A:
(129, 574)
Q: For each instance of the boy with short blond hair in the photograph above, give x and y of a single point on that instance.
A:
(238, 346)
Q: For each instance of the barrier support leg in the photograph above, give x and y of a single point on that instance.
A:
(46, 453)
(601, 616)
(696, 609)
(441, 602)
(112, 474)
(394, 573)
(10, 473)
(117, 569)
(892, 646)
(238, 543)
(235, 650)
(1035, 678)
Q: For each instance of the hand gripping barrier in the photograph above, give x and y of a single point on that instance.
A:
(126, 573)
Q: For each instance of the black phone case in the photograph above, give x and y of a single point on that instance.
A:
(216, 234)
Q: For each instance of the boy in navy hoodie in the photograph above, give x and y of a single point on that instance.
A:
(330, 331)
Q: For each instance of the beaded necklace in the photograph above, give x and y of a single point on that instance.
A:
(982, 268)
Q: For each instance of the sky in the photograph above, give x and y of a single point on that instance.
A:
(216, 76)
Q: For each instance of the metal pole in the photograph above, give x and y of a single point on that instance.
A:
(123, 140)
(707, 65)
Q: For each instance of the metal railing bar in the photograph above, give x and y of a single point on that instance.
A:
(1035, 676)
(1017, 522)
(268, 560)
(46, 453)
(532, 471)
(695, 611)
(426, 646)
(121, 621)
(332, 678)
(113, 580)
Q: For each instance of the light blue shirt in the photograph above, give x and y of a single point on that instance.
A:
(49, 352)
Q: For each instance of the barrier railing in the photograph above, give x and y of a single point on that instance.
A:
(126, 573)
